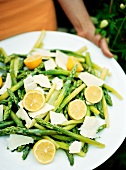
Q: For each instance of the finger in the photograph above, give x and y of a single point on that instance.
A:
(105, 49)
(97, 39)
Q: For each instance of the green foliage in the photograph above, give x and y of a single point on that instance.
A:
(115, 31)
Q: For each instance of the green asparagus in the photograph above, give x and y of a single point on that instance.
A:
(70, 157)
(6, 123)
(65, 88)
(68, 133)
(24, 131)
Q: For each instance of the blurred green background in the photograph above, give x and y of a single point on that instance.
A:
(95, 8)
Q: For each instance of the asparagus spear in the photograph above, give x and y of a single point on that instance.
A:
(65, 89)
(13, 98)
(75, 85)
(16, 119)
(70, 97)
(56, 72)
(100, 108)
(68, 133)
(4, 102)
(101, 128)
(20, 83)
(107, 97)
(70, 157)
(5, 124)
(71, 53)
(2, 52)
(26, 151)
(65, 146)
(24, 131)
(85, 148)
(12, 71)
(20, 93)
(20, 148)
(7, 110)
(13, 89)
(63, 138)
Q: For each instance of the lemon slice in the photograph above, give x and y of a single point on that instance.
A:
(93, 94)
(44, 151)
(1, 81)
(77, 109)
(33, 61)
(33, 100)
(71, 63)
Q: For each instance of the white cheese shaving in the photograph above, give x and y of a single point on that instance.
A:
(17, 140)
(57, 118)
(7, 84)
(75, 147)
(61, 59)
(42, 80)
(21, 104)
(58, 82)
(88, 103)
(50, 64)
(22, 114)
(46, 54)
(89, 127)
(1, 112)
(28, 79)
(46, 108)
(90, 79)
(30, 86)
(29, 83)
(40, 89)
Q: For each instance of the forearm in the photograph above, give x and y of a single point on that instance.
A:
(78, 15)
(81, 21)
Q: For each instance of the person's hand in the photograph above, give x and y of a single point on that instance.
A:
(97, 40)
(79, 17)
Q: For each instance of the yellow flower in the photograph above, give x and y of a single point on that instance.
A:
(104, 23)
(122, 6)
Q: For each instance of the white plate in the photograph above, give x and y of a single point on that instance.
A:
(111, 137)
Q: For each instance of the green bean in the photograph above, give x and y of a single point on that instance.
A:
(39, 41)
(82, 49)
(88, 59)
(105, 111)
(94, 110)
(111, 89)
